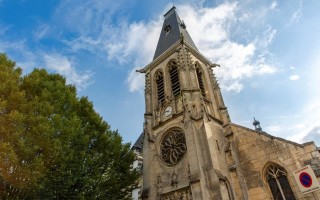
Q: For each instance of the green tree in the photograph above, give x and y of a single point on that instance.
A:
(53, 144)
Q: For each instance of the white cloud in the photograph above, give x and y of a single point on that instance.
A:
(273, 5)
(310, 113)
(294, 77)
(135, 80)
(273, 128)
(62, 65)
(85, 17)
(313, 135)
(210, 29)
(134, 44)
(41, 31)
(266, 38)
(295, 17)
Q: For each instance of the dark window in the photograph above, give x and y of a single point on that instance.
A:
(167, 28)
(174, 77)
(200, 80)
(278, 183)
(160, 86)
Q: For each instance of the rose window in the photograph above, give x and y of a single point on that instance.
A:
(173, 147)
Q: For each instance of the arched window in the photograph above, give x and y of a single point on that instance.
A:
(200, 80)
(174, 77)
(160, 86)
(278, 183)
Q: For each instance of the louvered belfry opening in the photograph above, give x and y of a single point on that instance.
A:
(174, 76)
(200, 80)
(160, 87)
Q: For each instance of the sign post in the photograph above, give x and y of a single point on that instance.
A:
(306, 180)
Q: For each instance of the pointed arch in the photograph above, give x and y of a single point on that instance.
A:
(199, 73)
(174, 78)
(160, 86)
(276, 177)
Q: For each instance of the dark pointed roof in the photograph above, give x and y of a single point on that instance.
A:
(172, 28)
(138, 145)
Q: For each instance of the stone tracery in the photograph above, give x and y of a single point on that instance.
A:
(173, 147)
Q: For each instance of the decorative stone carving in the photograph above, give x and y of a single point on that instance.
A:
(213, 79)
(148, 84)
(194, 178)
(182, 194)
(159, 184)
(184, 58)
(173, 147)
(196, 111)
(157, 115)
(227, 146)
(174, 180)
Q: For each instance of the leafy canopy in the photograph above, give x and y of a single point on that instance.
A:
(54, 145)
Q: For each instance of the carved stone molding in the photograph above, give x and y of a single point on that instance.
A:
(184, 58)
(181, 194)
(159, 185)
(174, 180)
(148, 84)
(233, 168)
(194, 178)
(157, 115)
(213, 79)
(227, 146)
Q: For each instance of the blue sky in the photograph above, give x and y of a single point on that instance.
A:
(268, 52)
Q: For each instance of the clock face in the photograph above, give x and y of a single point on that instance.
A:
(167, 111)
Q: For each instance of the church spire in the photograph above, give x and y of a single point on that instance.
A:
(171, 32)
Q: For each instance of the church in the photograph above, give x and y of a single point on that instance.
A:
(190, 148)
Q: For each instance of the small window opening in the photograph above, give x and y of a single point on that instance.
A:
(160, 87)
(200, 81)
(167, 28)
(174, 76)
(217, 142)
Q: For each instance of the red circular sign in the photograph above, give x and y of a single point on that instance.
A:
(305, 179)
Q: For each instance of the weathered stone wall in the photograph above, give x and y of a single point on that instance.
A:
(257, 150)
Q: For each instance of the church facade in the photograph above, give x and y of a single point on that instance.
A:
(190, 147)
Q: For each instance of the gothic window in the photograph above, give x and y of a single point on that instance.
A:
(200, 80)
(160, 87)
(174, 77)
(173, 147)
(278, 183)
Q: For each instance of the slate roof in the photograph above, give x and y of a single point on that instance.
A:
(138, 145)
(172, 28)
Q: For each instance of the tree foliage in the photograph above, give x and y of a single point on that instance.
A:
(53, 145)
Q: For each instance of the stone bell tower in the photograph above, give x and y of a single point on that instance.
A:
(186, 121)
